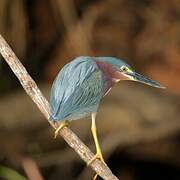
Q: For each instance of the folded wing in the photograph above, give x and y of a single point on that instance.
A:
(77, 90)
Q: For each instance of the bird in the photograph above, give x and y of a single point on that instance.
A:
(80, 86)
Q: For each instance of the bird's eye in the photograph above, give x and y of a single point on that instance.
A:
(125, 69)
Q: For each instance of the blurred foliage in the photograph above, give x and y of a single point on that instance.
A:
(10, 174)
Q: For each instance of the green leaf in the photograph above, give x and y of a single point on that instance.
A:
(10, 174)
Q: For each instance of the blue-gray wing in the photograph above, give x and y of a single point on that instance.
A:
(77, 90)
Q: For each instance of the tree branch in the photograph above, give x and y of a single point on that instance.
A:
(33, 91)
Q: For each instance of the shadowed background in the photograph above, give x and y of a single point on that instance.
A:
(138, 126)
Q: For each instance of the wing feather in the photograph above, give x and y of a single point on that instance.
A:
(77, 90)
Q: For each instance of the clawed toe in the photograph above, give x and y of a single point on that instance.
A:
(97, 156)
(59, 128)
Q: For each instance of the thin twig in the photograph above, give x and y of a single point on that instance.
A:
(33, 91)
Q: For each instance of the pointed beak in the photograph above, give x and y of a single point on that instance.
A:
(140, 78)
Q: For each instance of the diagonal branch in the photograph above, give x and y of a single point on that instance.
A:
(33, 91)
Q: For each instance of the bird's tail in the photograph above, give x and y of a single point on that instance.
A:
(51, 118)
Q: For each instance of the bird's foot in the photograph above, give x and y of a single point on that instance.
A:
(62, 125)
(95, 176)
(99, 156)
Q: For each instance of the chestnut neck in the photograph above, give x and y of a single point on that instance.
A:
(108, 70)
(109, 75)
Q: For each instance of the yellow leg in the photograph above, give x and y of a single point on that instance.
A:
(63, 124)
(98, 154)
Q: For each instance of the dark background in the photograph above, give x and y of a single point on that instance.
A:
(138, 126)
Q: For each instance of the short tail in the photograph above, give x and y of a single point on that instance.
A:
(51, 118)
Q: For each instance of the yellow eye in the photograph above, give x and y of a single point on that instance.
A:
(125, 69)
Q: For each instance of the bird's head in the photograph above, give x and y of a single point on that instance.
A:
(122, 71)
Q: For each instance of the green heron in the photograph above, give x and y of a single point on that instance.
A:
(80, 86)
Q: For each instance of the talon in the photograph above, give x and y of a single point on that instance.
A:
(97, 156)
(62, 125)
(56, 133)
(95, 176)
